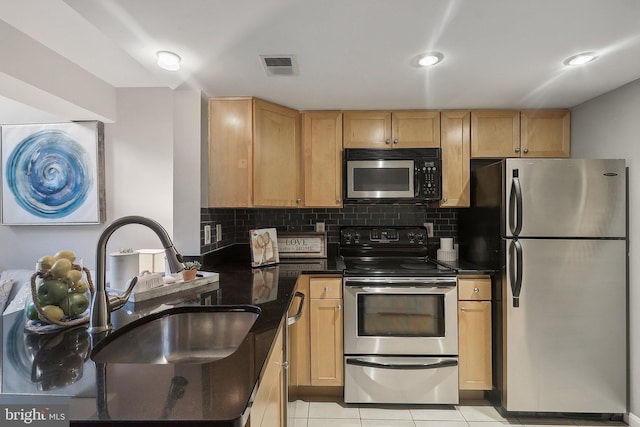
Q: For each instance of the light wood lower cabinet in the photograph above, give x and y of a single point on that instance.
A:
(315, 341)
(268, 409)
(474, 333)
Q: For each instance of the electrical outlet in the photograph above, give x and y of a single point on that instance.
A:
(218, 232)
(320, 227)
(429, 227)
(207, 234)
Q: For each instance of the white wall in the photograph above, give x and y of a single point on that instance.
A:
(609, 127)
(139, 180)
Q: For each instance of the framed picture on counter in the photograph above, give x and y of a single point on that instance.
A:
(264, 246)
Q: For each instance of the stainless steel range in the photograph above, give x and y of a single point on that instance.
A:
(400, 319)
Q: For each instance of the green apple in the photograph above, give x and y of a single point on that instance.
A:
(52, 291)
(74, 304)
(52, 312)
(31, 311)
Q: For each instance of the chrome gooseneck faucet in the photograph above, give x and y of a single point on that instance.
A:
(101, 306)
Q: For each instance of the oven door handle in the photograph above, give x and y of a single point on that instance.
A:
(405, 289)
(369, 364)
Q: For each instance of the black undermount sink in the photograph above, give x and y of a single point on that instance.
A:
(190, 334)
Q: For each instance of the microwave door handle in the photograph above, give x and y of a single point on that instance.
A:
(370, 364)
(416, 182)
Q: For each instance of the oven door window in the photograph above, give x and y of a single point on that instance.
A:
(401, 315)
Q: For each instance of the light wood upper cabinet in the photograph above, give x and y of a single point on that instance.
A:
(474, 333)
(386, 130)
(456, 161)
(528, 133)
(545, 133)
(230, 152)
(495, 133)
(276, 156)
(322, 145)
(254, 154)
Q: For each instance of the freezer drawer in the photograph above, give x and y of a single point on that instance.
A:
(566, 339)
(407, 380)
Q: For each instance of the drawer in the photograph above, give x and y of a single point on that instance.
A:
(325, 288)
(474, 289)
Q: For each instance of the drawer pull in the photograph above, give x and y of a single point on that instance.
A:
(462, 309)
(476, 290)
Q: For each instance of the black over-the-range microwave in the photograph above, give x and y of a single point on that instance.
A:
(403, 175)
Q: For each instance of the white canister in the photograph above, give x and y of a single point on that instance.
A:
(446, 243)
(122, 267)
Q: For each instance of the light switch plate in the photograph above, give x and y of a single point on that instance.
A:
(320, 227)
(218, 232)
(207, 234)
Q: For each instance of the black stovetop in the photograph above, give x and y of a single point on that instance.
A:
(388, 251)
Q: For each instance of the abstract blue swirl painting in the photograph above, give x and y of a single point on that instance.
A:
(51, 173)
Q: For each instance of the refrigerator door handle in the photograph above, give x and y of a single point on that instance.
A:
(515, 270)
(515, 205)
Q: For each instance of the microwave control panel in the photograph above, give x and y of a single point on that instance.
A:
(429, 178)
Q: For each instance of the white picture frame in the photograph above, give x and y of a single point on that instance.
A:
(52, 174)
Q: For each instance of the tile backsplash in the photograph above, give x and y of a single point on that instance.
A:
(236, 222)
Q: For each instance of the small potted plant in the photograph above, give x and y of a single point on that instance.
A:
(190, 270)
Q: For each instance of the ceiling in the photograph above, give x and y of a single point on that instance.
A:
(350, 54)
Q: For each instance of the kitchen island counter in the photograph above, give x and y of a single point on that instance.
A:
(54, 369)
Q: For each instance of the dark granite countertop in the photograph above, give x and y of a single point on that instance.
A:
(55, 368)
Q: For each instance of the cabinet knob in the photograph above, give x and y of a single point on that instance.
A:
(444, 199)
(285, 365)
(387, 141)
(326, 289)
(462, 309)
(298, 200)
(395, 141)
(526, 150)
(339, 307)
(476, 290)
(517, 150)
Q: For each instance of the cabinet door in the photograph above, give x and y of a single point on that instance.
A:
(474, 349)
(322, 145)
(300, 341)
(326, 343)
(230, 152)
(268, 406)
(545, 133)
(415, 129)
(456, 175)
(277, 158)
(367, 129)
(495, 133)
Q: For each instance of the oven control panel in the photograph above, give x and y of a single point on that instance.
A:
(383, 236)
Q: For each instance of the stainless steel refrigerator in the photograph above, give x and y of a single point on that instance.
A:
(556, 230)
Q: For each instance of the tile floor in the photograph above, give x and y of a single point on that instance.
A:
(313, 413)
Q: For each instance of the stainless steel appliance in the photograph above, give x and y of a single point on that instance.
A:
(400, 319)
(556, 228)
(400, 174)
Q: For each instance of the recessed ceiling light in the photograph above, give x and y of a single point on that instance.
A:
(430, 59)
(580, 59)
(168, 60)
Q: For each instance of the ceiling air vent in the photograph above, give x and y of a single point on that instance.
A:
(279, 65)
